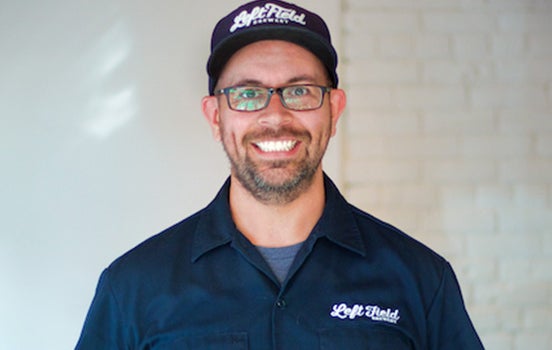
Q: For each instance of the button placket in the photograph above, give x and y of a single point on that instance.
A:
(281, 303)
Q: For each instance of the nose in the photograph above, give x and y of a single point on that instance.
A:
(275, 114)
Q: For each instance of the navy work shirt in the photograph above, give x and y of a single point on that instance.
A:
(356, 283)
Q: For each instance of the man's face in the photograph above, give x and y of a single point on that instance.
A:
(275, 152)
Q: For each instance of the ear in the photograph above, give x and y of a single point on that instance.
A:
(210, 108)
(338, 101)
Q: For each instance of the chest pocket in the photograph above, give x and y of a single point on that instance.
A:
(230, 341)
(376, 338)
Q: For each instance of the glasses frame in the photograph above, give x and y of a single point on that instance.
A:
(271, 91)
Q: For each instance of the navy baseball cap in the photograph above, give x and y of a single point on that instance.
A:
(270, 20)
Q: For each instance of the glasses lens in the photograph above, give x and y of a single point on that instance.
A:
(302, 97)
(247, 98)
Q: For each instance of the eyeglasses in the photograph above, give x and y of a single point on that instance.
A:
(254, 98)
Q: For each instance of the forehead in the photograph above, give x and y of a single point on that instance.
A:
(273, 63)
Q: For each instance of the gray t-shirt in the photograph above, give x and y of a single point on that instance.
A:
(280, 259)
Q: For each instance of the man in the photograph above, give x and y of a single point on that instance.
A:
(279, 259)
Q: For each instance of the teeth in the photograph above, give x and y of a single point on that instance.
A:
(276, 146)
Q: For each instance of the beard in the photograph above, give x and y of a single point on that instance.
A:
(281, 181)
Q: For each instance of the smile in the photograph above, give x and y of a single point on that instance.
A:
(276, 146)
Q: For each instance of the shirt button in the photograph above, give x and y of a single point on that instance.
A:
(281, 303)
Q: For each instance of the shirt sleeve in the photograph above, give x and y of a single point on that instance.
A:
(103, 327)
(449, 325)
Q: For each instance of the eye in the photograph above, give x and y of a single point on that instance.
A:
(298, 91)
(249, 93)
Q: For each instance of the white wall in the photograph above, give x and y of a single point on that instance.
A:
(102, 144)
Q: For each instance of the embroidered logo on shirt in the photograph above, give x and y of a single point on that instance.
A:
(374, 312)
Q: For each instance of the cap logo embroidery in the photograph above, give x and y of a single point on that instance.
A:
(270, 13)
(374, 312)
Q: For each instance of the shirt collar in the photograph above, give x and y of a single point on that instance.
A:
(337, 223)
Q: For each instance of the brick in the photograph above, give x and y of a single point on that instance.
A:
(456, 196)
(412, 147)
(443, 72)
(533, 71)
(509, 45)
(533, 340)
(417, 4)
(502, 246)
(530, 196)
(488, 318)
(480, 269)
(453, 5)
(422, 147)
(384, 123)
(448, 246)
(456, 22)
(542, 5)
(498, 340)
(429, 46)
(525, 171)
(544, 145)
(404, 219)
(466, 171)
(381, 22)
(492, 196)
(408, 195)
(510, 4)
(459, 122)
(518, 269)
(490, 294)
(353, 51)
(512, 72)
(471, 47)
(374, 72)
(522, 96)
(537, 318)
(381, 4)
(547, 245)
(364, 148)
(496, 146)
(362, 99)
(521, 122)
(429, 97)
(528, 22)
(541, 270)
(464, 223)
(399, 46)
(366, 195)
(485, 317)
(512, 45)
(408, 147)
(540, 45)
(382, 171)
(526, 295)
(448, 72)
(527, 219)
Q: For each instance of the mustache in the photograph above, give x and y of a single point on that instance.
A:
(282, 132)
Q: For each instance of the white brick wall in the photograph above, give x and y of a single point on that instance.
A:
(449, 137)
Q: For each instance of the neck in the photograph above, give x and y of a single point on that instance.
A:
(277, 225)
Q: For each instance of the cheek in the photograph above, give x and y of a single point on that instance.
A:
(231, 136)
(322, 130)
